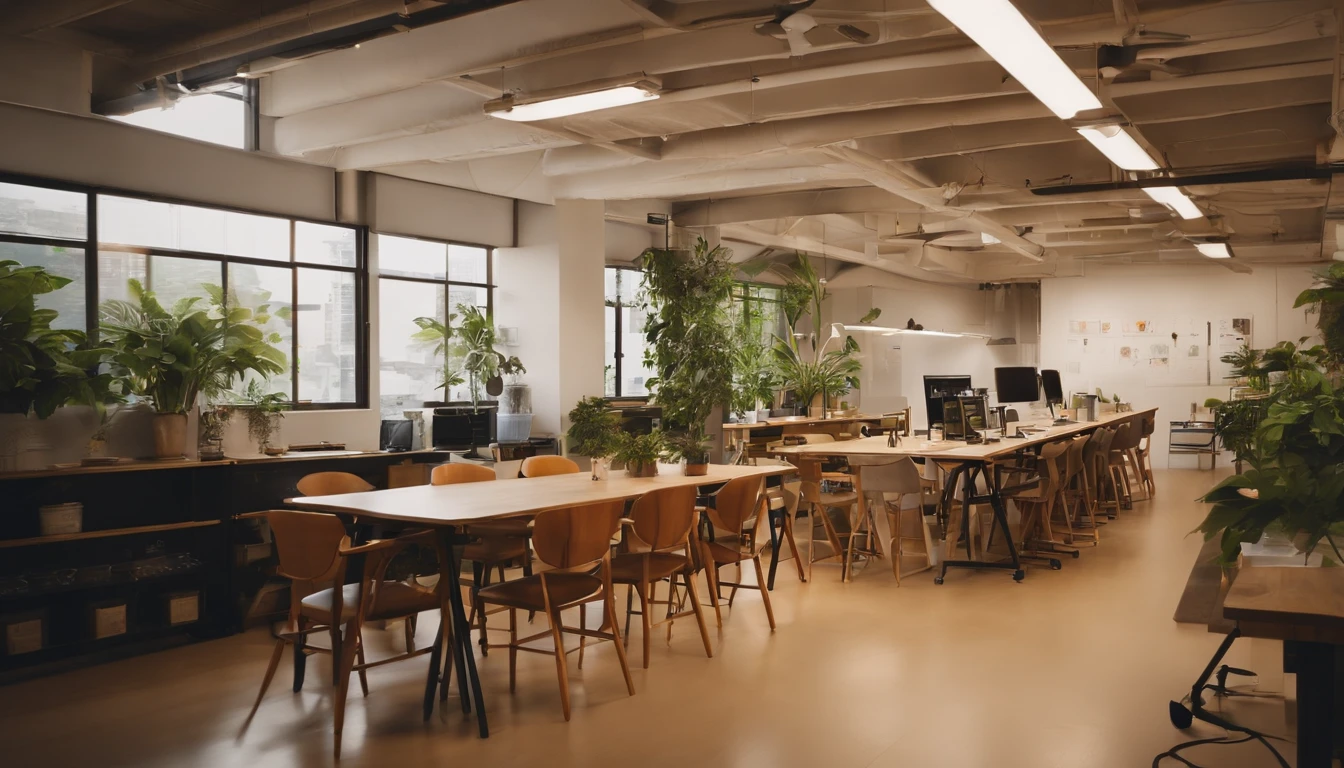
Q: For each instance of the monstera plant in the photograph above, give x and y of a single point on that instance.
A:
(171, 355)
(43, 368)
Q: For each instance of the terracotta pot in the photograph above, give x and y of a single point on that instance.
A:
(642, 469)
(695, 470)
(170, 435)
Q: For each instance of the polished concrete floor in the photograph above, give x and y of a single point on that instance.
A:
(1070, 668)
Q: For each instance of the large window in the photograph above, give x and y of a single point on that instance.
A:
(761, 303)
(625, 371)
(307, 274)
(220, 117)
(425, 279)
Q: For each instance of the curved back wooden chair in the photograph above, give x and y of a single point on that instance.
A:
(735, 505)
(544, 466)
(575, 543)
(332, 484)
(1077, 494)
(1125, 440)
(1142, 452)
(780, 504)
(496, 543)
(893, 482)
(662, 526)
(1103, 480)
(1037, 504)
(819, 503)
(313, 548)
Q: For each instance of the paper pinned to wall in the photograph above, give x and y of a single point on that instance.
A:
(1084, 327)
(1139, 327)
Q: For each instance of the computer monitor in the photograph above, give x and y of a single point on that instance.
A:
(1054, 389)
(1017, 384)
(938, 387)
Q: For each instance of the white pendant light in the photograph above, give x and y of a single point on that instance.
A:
(1006, 35)
(1175, 199)
(575, 104)
(1214, 250)
(1119, 147)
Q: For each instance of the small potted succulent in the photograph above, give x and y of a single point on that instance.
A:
(594, 431)
(264, 412)
(693, 449)
(640, 453)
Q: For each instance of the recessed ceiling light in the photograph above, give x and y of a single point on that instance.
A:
(564, 106)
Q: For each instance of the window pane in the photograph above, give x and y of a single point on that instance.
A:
(115, 268)
(43, 212)
(633, 371)
(267, 291)
(126, 221)
(62, 262)
(466, 264)
(465, 294)
(327, 336)
(172, 279)
(609, 274)
(324, 244)
(409, 370)
(609, 367)
(412, 258)
(205, 117)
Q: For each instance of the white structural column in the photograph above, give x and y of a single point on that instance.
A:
(581, 324)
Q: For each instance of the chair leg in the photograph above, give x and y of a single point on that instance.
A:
(583, 640)
(276, 654)
(300, 656)
(513, 648)
(689, 578)
(711, 580)
(336, 651)
(629, 610)
(484, 581)
(363, 679)
(446, 622)
(561, 669)
(344, 663)
(610, 604)
(646, 609)
(409, 629)
(793, 546)
(765, 593)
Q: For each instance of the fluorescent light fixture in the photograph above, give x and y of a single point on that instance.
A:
(989, 239)
(1006, 35)
(1175, 199)
(1119, 147)
(1214, 250)
(887, 331)
(563, 106)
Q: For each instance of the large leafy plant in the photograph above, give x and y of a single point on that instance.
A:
(43, 368)
(686, 297)
(171, 355)
(594, 428)
(753, 372)
(1326, 298)
(437, 337)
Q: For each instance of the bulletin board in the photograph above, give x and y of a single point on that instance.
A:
(1177, 351)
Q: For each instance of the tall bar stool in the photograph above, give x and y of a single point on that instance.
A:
(818, 505)
(1103, 479)
(576, 543)
(314, 549)
(1142, 452)
(900, 479)
(1076, 494)
(1126, 438)
(735, 508)
(495, 543)
(662, 534)
(780, 503)
(1037, 504)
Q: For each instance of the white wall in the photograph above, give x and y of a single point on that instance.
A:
(527, 297)
(894, 367)
(1165, 295)
(406, 207)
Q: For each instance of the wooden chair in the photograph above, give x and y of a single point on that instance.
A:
(781, 503)
(1077, 507)
(734, 512)
(544, 466)
(574, 542)
(1037, 504)
(1103, 479)
(496, 543)
(1125, 440)
(1142, 452)
(818, 504)
(332, 483)
(662, 534)
(899, 479)
(314, 549)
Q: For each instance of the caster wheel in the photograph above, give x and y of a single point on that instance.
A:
(937, 579)
(1068, 539)
(1019, 575)
(1055, 565)
(1075, 554)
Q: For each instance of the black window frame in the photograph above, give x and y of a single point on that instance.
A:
(617, 354)
(447, 283)
(92, 245)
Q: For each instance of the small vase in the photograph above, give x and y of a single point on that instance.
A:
(601, 467)
(170, 435)
(642, 469)
(694, 470)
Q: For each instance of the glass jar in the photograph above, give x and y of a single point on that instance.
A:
(936, 432)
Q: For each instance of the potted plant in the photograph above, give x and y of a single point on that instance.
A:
(437, 337)
(171, 355)
(686, 296)
(692, 448)
(640, 453)
(753, 376)
(515, 404)
(480, 361)
(594, 431)
(264, 412)
(210, 441)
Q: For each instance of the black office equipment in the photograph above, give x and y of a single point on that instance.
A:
(1054, 389)
(462, 427)
(938, 387)
(1017, 384)
(396, 435)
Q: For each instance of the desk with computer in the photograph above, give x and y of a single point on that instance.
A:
(959, 411)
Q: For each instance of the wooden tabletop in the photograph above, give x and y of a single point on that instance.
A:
(1288, 603)
(473, 502)
(142, 465)
(785, 421)
(954, 450)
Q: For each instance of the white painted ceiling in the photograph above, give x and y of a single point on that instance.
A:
(895, 153)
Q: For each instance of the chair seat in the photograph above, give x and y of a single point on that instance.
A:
(392, 600)
(726, 555)
(629, 569)
(495, 549)
(525, 593)
(509, 526)
(838, 499)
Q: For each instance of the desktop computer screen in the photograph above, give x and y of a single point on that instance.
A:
(1017, 384)
(1054, 389)
(938, 387)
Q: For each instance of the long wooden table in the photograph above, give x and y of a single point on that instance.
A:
(964, 461)
(450, 508)
(1304, 607)
(740, 432)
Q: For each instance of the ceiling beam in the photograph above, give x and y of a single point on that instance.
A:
(25, 18)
